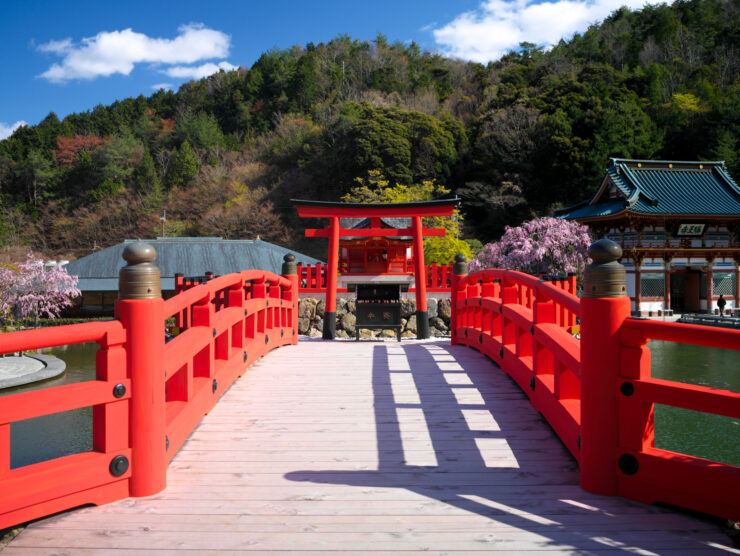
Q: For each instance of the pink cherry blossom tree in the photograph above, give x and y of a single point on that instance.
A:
(29, 290)
(540, 246)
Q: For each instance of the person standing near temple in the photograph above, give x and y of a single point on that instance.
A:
(721, 302)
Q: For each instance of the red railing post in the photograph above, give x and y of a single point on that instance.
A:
(604, 307)
(290, 272)
(572, 288)
(458, 291)
(140, 308)
(181, 316)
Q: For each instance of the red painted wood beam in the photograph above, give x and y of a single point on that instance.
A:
(370, 211)
(374, 232)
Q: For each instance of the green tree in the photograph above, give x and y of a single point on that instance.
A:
(375, 188)
(37, 172)
(146, 177)
(407, 146)
(183, 166)
(200, 130)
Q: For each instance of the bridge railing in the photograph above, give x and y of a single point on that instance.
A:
(149, 393)
(649, 474)
(597, 393)
(523, 324)
(224, 325)
(98, 476)
(312, 278)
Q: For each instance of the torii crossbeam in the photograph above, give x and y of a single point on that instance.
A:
(415, 210)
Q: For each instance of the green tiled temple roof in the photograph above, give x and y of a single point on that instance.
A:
(653, 187)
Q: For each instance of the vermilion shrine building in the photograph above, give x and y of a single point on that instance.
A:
(679, 227)
(375, 255)
(375, 243)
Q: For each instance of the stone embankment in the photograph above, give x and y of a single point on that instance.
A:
(311, 318)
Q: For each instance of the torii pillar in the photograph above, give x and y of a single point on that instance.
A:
(334, 211)
(330, 313)
(422, 316)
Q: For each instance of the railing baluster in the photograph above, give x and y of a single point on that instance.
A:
(543, 312)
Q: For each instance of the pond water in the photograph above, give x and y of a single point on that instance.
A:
(679, 430)
(692, 432)
(59, 434)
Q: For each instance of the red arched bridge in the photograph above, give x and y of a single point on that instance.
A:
(369, 446)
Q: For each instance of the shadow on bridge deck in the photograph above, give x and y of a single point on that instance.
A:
(373, 447)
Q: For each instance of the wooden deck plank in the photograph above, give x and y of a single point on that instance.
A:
(309, 453)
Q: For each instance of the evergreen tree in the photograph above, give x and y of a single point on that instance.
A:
(146, 177)
(183, 166)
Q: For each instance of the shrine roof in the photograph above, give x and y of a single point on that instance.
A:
(398, 223)
(661, 187)
(361, 223)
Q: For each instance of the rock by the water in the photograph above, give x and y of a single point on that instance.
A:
(432, 305)
(438, 323)
(304, 324)
(313, 333)
(408, 307)
(411, 324)
(408, 334)
(348, 321)
(351, 306)
(444, 309)
(365, 333)
(388, 333)
(307, 307)
(341, 334)
(436, 333)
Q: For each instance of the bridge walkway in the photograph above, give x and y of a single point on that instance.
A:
(371, 447)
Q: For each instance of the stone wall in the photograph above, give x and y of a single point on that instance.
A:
(311, 318)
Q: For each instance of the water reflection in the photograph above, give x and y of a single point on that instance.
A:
(59, 434)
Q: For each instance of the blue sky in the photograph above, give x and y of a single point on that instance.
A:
(68, 56)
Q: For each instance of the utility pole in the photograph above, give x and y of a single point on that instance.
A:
(163, 218)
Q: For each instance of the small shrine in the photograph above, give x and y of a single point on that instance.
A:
(378, 247)
(375, 255)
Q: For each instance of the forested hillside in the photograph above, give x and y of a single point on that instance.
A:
(514, 138)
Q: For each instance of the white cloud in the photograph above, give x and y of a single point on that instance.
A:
(165, 86)
(498, 26)
(197, 72)
(57, 47)
(118, 51)
(7, 130)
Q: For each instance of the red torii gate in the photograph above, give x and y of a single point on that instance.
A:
(415, 210)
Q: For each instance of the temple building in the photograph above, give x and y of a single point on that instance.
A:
(679, 226)
(189, 256)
